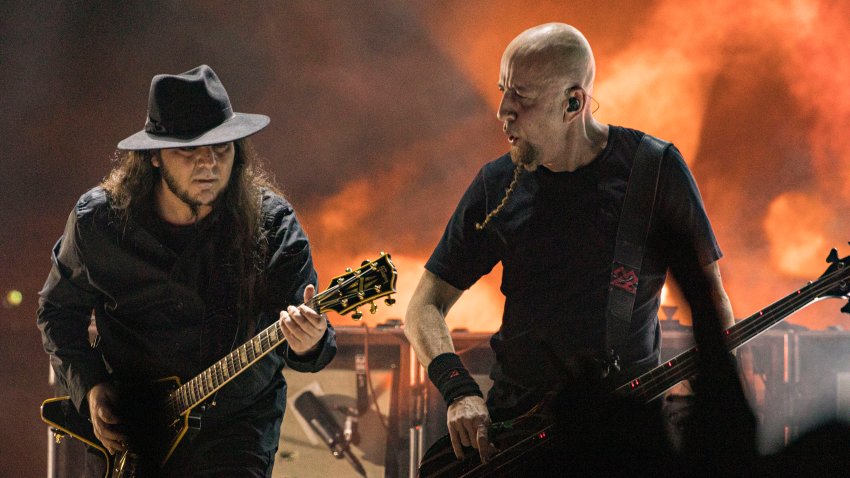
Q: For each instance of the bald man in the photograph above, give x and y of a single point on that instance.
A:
(549, 212)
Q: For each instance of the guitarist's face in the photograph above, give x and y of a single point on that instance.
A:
(193, 178)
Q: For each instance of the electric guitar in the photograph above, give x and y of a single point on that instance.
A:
(168, 412)
(440, 462)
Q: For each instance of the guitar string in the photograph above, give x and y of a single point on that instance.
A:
(813, 288)
(798, 301)
(234, 354)
(312, 303)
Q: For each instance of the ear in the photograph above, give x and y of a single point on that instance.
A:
(573, 102)
(155, 160)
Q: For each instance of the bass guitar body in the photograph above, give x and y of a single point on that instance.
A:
(522, 443)
(536, 441)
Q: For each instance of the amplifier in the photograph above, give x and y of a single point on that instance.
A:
(364, 394)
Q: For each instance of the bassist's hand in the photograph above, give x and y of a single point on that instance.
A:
(302, 326)
(103, 399)
(468, 421)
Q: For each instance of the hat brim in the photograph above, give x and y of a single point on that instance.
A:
(239, 126)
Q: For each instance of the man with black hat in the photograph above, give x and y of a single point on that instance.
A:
(182, 253)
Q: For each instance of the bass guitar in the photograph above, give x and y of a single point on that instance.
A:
(440, 462)
(170, 411)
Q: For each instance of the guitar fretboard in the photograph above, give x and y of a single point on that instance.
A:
(657, 381)
(372, 280)
(201, 387)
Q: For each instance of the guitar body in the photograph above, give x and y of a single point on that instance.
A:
(59, 413)
(153, 434)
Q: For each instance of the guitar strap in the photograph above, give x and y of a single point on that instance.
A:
(632, 232)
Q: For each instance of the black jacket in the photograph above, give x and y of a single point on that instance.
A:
(163, 313)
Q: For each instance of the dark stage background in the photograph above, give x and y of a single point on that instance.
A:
(383, 111)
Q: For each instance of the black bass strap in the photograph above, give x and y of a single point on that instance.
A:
(632, 232)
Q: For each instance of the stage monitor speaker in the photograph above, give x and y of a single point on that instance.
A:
(347, 411)
(822, 379)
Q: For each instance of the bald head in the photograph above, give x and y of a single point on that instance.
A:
(557, 51)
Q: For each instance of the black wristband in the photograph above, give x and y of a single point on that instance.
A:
(451, 378)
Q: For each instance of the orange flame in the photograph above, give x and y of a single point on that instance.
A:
(663, 69)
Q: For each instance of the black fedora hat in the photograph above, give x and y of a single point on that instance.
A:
(191, 109)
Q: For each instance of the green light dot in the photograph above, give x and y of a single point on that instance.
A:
(14, 298)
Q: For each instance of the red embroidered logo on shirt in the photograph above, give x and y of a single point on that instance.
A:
(625, 279)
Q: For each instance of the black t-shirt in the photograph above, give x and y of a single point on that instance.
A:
(555, 238)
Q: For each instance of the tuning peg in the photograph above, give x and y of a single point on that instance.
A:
(833, 256)
(389, 300)
(846, 308)
(365, 262)
(373, 307)
(357, 315)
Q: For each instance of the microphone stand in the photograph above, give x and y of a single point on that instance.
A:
(323, 423)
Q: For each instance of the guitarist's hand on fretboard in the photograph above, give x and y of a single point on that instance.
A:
(103, 400)
(302, 326)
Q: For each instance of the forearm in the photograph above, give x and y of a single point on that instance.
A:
(426, 329)
(717, 304)
(425, 321)
(710, 305)
(78, 366)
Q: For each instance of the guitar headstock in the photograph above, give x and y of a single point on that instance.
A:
(369, 282)
(837, 278)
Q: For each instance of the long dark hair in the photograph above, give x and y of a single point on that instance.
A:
(130, 187)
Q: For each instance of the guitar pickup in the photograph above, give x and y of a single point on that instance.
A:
(194, 421)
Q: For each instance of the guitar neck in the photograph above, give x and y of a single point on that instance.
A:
(202, 386)
(652, 384)
(372, 280)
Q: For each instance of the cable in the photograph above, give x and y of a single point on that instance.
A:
(369, 379)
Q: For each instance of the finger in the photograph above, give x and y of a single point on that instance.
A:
(113, 441)
(453, 435)
(486, 449)
(287, 325)
(111, 433)
(313, 318)
(113, 446)
(298, 323)
(309, 292)
(308, 319)
(468, 434)
(105, 414)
